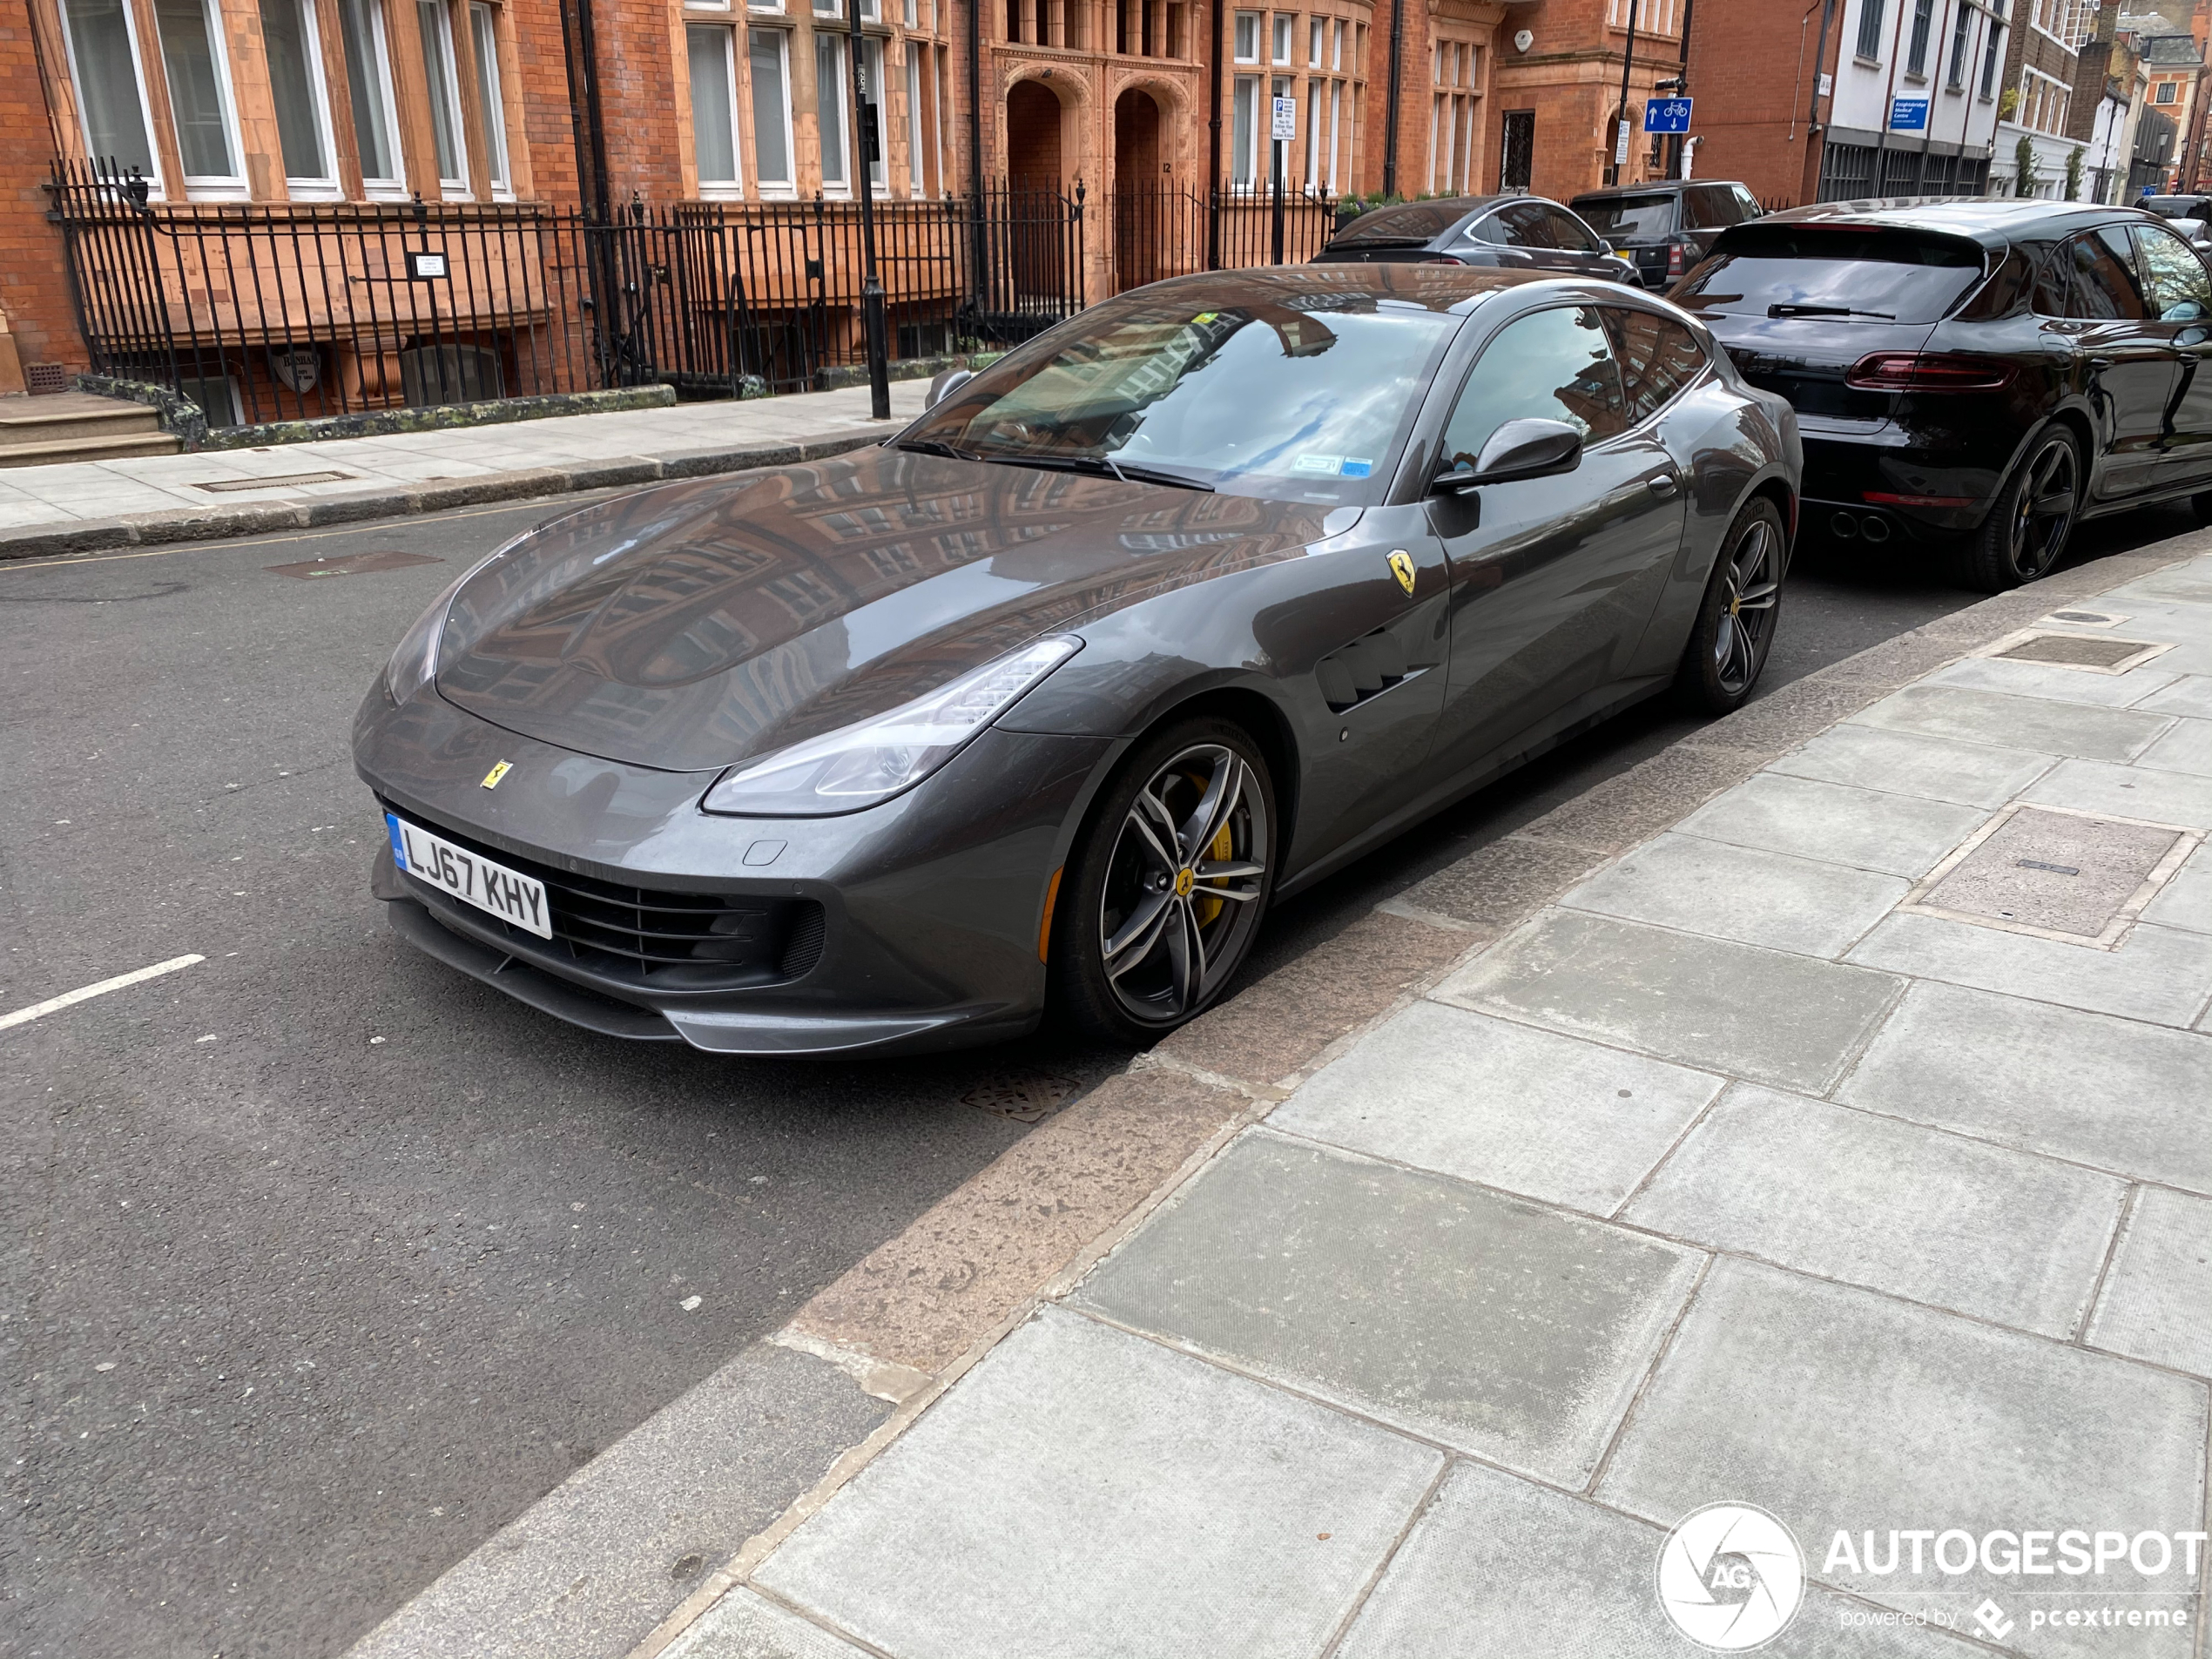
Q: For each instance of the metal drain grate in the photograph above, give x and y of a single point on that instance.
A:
(2056, 874)
(281, 481)
(1027, 1096)
(2092, 653)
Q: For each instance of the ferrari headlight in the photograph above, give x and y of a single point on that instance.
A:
(876, 758)
(414, 661)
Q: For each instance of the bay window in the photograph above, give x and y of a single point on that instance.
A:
(293, 49)
(714, 110)
(111, 95)
(1245, 130)
(368, 77)
(916, 186)
(199, 94)
(484, 36)
(770, 63)
(829, 109)
(436, 19)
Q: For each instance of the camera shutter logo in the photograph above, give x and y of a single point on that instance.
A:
(1731, 1576)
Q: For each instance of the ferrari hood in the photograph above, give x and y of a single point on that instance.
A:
(692, 626)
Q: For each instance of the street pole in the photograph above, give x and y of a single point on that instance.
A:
(1275, 144)
(866, 147)
(1621, 133)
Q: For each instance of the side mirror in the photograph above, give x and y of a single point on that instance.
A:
(944, 383)
(1605, 247)
(1523, 449)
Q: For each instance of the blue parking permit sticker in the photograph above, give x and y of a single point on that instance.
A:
(399, 847)
(1357, 469)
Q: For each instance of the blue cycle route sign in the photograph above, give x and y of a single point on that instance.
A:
(1908, 115)
(1666, 115)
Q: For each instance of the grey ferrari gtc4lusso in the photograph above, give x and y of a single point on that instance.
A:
(1165, 615)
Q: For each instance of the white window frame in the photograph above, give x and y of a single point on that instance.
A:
(773, 8)
(770, 189)
(872, 61)
(917, 176)
(382, 187)
(841, 89)
(213, 187)
(1317, 35)
(329, 188)
(1254, 176)
(1336, 48)
(499, 164)
(152, 176)
(1236, 37)
(451, 189)
(1285, 26)
(721, 189)
(1336, 130)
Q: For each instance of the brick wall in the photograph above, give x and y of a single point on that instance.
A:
(34, 289)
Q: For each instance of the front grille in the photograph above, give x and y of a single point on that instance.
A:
(650, 937)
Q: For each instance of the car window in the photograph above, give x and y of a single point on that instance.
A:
(1555, 365)
(2103, 287)
(1658, 357)
(1410, 222)
(1628, 219)
(1569, 232)
(1702, 212)
(2051, 280)
(2181, 288)
(1226, 385)
(1525, 225)
(1747, 205)
(1906, 276)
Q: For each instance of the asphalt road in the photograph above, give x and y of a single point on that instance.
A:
(321, 1262)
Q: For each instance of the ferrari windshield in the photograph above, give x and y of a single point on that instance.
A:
(1301, 397)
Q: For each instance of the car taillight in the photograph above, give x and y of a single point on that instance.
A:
(1674, 260)
(1915, 371)
(1443, 259)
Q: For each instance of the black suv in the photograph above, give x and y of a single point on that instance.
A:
(1513, 232)
(1666, 227)
(1971, 374)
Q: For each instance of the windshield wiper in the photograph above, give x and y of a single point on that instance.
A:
(1105, 468)
(1827, 311)
(938, 446)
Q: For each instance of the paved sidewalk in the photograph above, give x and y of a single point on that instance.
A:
(89, 505)
(1792, 1159)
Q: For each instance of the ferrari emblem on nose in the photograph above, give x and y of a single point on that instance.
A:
(492, 778)
(1401, 566)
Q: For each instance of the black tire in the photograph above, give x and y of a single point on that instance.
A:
(1180, 946)
(2026, 532)
(1737, 618)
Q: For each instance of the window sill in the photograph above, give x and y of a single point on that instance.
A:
(727, 191)
(1866, 63)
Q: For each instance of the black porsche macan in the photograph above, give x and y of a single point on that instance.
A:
(1975, 376)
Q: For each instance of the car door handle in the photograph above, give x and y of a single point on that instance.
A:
(1664, 484)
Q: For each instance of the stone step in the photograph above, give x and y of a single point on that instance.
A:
(77, 426)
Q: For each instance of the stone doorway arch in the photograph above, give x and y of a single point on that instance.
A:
(1033, 137)
(1141, 197)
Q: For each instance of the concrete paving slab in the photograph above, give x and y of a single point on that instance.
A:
(2008, 722)
(1515, 1333)
(2060, 684)
(2187, 748)
(1790, 1021)
(2186, 901)
(2161, 974)
(1084, 1492)
(2127, 792)
(1499, 1568)
(1557, 1118)
(1899, 1208)
(1841, 1411)
(1897, 834)
(2191, 694)
(2157, 1299)
(746, 1625)
(2114, 1093)
(1742, 894)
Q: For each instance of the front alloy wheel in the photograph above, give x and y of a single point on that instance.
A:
(1735, 623)
(1168, 884)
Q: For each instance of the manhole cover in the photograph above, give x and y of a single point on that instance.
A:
(2087, 618)
(1026, 1096)
(353, 565)
(2054, 874)
(2097, 653)
(283, 480)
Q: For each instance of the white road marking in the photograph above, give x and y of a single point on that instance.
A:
(67, 998)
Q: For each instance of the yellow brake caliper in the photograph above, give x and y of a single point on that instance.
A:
(1222, 847)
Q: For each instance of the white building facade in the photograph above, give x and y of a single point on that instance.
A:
(1917, 85)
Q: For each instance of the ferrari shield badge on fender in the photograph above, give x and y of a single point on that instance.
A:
(1401, 566)
(492, 778)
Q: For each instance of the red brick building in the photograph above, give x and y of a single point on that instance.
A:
(308, 118)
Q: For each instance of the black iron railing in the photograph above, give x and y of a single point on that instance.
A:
(1162, 230)
(264, 313)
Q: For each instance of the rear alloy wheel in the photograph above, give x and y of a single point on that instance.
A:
(2026, 532)
(1166, 885)
(1735, 623)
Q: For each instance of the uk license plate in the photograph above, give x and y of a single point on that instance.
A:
(469, 877)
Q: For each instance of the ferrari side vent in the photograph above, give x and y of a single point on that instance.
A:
(1367, 667)
(803, 948)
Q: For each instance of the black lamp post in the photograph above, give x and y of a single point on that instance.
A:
(868, 145)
